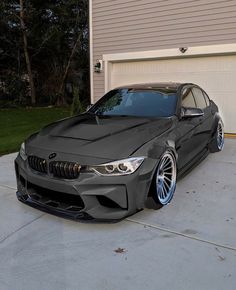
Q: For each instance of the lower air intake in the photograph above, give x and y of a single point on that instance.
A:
(55, 199)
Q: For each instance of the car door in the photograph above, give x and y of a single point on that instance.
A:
(203, 131)
(187, 130)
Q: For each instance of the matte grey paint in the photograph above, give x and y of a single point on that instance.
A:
(80, 139)
(112, 139)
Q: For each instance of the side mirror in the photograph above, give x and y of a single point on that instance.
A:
(191, 112)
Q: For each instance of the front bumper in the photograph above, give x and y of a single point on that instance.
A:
(89, 196)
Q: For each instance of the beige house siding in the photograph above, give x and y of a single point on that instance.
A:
(141, 25)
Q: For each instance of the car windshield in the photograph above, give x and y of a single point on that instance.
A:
(137, 102)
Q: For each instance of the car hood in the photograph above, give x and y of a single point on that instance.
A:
(108, 138)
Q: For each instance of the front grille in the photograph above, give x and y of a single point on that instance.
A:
(60, 169)
(38, 164)
(64, 169)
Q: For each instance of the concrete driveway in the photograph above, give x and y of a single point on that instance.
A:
(189, 244)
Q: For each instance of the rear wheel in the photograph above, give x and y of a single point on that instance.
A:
(217, 144)
(165, 179)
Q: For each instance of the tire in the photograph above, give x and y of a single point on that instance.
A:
(164, 182)
(217, 143)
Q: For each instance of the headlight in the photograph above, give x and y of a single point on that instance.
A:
(22, 151)
(115, 168)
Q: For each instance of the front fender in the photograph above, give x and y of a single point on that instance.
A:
(156, 147)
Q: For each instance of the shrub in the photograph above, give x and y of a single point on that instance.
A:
(76, 107)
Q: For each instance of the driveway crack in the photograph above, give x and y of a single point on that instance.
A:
(6, 186)
(182, 234)
(20, 228)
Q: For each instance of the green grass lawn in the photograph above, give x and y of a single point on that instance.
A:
(17, 124)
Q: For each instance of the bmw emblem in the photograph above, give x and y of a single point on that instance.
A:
(52, 155)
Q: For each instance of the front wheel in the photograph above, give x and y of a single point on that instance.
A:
(165, 179)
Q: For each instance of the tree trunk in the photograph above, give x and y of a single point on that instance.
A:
(61, 99)
(27, 58)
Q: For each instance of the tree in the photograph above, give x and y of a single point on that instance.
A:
(26, 52)
(48, 42)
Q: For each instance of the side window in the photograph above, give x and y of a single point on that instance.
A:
(188, 99)
(206, 99)
(199, 98)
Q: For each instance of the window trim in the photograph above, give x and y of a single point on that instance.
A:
(208, 98)
(196, 87)
(187, 87)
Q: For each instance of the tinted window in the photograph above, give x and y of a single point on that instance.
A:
(188, 99)
(135, 102)
(199, 97)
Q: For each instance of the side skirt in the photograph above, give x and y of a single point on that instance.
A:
(193, 163)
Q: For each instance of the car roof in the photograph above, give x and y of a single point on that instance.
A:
(172, 86)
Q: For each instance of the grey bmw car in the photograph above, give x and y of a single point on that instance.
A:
(129, 146)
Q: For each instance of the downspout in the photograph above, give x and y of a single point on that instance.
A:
(91, 51)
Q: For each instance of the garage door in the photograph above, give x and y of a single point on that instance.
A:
(216, 74)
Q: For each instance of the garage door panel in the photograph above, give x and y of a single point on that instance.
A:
(217, 75)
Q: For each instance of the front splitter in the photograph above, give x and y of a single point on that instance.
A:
(76, 216)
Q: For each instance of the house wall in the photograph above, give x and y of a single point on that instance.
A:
(141, 25)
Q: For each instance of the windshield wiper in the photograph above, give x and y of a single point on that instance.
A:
(95, 115)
